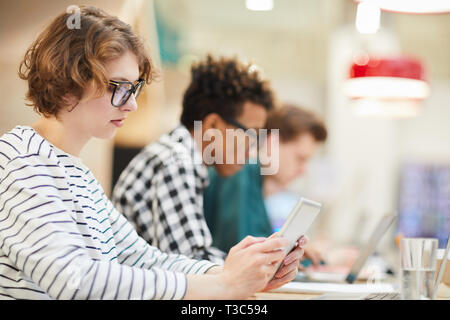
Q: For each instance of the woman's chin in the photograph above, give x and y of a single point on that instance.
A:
(106, 134)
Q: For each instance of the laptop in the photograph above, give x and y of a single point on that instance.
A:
(333, 277)
(391, 295)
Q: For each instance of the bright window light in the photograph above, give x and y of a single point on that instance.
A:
(367, 17)
(259, 5)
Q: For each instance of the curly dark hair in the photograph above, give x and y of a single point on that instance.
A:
(222, 86)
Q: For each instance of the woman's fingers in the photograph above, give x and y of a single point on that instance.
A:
(248, 241)
(271, 244)
(291, 262)
(278, 282)
(287, 268)
(295, 254)
(303, 241)
(274, 257)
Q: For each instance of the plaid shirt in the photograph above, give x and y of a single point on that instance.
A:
(161, 193)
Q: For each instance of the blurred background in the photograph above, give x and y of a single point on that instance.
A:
(384, 154)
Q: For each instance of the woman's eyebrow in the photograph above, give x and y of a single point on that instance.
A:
(123, 79)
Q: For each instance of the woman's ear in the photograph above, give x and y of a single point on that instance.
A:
(70, 101)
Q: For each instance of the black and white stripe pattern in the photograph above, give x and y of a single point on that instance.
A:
(161, 193)
(61, 238)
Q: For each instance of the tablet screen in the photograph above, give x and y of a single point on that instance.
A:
(299, 220)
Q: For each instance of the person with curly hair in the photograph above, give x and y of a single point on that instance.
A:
(60, 236)
(161, 190)
(249, 203)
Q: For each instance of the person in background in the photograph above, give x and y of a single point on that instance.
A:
(60, 236)
(161, 190)
(249, 203)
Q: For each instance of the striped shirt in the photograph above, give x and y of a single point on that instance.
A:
(61, 238)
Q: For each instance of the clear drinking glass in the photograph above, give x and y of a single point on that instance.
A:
(418, 261)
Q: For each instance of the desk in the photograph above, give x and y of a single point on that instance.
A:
(283, 296)
(305, 296)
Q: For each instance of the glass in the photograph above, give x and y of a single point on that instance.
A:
(123, 90)
(418, 267)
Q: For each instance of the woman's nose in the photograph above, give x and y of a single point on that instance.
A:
(131, 104)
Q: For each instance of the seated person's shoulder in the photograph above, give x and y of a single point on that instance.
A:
(164, 153)
(23, 145)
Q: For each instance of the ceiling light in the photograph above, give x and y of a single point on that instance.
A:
(387, 78)
(393, 87)
(367, 18)
(259, 5)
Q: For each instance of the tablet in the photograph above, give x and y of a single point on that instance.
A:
(299, 221)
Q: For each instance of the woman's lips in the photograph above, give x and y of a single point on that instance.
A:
(118, 123)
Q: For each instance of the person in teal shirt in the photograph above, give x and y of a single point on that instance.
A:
(249, 203)
(234, 207)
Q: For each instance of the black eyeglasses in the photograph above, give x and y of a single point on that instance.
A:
(251, 132)
(235, 123)
(123, 90)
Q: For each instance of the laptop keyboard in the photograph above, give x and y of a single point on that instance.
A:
(383, 296)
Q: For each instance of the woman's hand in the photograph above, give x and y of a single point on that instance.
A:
(289, 268)
(251, 264)
(249, 268)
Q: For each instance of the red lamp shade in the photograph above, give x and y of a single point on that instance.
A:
(400, 67)
(387, 78)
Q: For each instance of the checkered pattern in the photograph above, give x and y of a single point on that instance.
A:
(161, 193)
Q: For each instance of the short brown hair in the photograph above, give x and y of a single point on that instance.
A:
(63, 60)
(293, 121)
(222, 85)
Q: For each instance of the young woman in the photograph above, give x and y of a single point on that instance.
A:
(60, 236)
